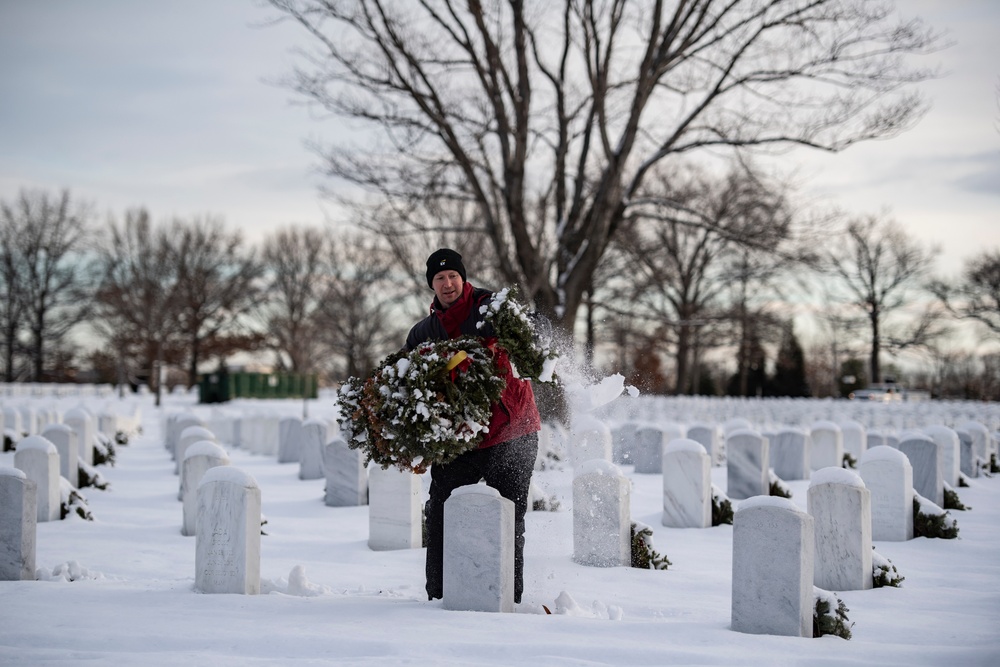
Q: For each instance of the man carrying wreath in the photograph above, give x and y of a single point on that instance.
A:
(506, 456)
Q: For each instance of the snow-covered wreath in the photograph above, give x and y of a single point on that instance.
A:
(434, 403)
(530, 350)
(422, 407)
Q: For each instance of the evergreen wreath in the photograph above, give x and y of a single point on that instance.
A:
(532, 356)
(934, 522)
(722, 507)
(644, 556)
(830, 615)
(884, 573)
(423, 407)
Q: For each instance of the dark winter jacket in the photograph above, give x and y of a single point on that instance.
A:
(516, 414)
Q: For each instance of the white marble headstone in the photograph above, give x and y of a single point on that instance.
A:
(29, 420)
(840, 506)
(18, 523)
(855, 438)
(39, 460)
(289, 440)
(395, 509)
(827, 448)
(967, 461)
(80, 421)
(227, 548)
(647, 455)
(623, 442)
(747, 462)
(478, 550)
(590, 439)
(708, 436)
(888, 476)
(950, 451)
(982, 440)
(789, 451)
(65, 440)
(602, 524)
(773, 559)
(346, 475)
(188, 437)
(198, 459)
(314, 438)
(687, 485)
(925, 457)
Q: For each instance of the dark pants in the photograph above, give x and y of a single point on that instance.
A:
(507, 468)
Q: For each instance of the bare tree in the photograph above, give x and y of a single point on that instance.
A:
(548, 117)
(218, 284)
(976, 296)
(136, 304)
(47, 243)
(687, 241)
(360, 305)
(11, 280)
(295, 268)
(879, 268)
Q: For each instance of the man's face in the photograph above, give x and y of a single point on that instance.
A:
(447, 286)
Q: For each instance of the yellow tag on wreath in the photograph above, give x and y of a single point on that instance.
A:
(459, 357)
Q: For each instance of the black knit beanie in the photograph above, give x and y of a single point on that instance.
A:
(444, 259)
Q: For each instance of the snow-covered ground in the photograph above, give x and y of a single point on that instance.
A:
(119, 590)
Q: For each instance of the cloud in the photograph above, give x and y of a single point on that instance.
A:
(985, 180)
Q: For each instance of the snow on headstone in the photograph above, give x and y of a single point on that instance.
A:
(841, 507)
(888, 476)
(346, 475)
(227, 548)
(687, 485)
(478, 550)
(602, 526)
(18, 524)
(188, 437)
(39, 460)
(395, 509)
(747, 463)
(65, 440)
(198, 459)
(773, 559)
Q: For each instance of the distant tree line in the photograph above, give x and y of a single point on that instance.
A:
(694, 297)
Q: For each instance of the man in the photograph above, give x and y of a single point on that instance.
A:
(506, 456)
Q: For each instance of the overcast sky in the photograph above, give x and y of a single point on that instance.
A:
(173, 106)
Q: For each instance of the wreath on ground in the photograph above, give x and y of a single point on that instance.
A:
(423, 407)
(526, 337)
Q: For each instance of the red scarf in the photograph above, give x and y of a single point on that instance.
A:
(453, 317)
